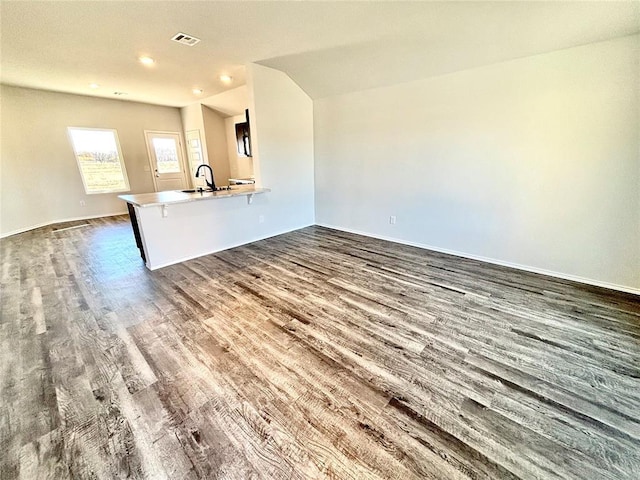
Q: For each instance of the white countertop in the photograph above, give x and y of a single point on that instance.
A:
(177, 196)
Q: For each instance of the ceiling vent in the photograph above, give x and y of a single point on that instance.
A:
(185, 39)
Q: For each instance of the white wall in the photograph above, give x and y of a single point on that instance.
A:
(216, 140)
(534, 162)
(230, 102)
(192, 119)
(281, 117)
(40, 180)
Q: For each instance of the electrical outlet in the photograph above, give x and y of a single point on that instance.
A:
(392, 219)
(82, 203)
(261, 219)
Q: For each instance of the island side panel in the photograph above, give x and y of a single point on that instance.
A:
(193, 229)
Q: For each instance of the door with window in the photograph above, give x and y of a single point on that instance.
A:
(166, 160)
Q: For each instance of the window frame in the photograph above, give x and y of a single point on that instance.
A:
(123, 166)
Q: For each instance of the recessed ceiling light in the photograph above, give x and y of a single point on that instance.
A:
(94, 85)
(197, 91)
(147, 60)
(226, 78)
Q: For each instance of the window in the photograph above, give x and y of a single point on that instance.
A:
(99, 160)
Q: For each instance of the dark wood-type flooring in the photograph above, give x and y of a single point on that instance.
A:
(315, 354)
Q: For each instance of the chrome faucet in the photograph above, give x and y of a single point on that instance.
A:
(211, 185)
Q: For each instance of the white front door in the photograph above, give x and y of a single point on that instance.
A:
(166, 159)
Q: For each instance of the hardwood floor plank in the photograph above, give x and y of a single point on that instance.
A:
(609, 421)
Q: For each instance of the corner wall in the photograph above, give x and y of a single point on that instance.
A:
(282, 147)
(216, 139)
(533, 162)
(40, 180)
(192, 119)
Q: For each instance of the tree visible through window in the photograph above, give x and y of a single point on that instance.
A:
(166, 155)
(99, 160)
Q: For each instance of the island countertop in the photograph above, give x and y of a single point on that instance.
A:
(177, 196)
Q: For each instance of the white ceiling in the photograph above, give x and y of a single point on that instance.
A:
(328, 48)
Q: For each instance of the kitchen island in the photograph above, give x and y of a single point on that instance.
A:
(174, 226)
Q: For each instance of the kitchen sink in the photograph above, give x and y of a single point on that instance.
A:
(218, 189)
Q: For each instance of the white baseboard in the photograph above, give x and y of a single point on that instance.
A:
(526, 268)
(75, 219)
